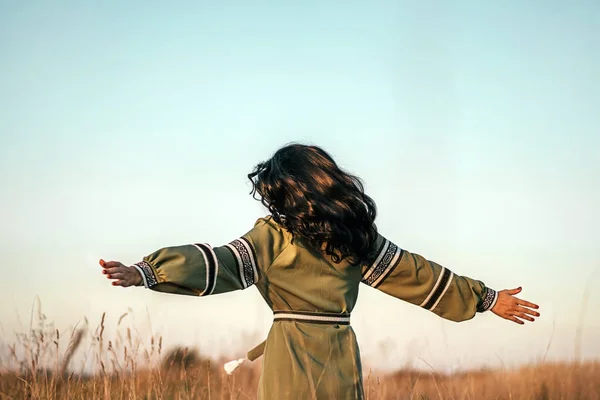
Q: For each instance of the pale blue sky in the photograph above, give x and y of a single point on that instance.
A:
(475, 125)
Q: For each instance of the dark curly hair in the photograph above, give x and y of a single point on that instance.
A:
(308, 194)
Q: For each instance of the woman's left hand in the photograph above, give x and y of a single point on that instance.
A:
(122, 275)
(514, 309)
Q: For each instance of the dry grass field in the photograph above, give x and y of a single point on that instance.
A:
(39, 366)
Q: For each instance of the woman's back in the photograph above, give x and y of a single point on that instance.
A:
(303, 279)
(311, 350)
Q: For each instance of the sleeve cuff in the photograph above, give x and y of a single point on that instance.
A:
(488, 300)
(148, 277)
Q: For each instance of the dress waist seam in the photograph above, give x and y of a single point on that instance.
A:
(312, 317)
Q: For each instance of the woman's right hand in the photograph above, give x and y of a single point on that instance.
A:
(121, 275)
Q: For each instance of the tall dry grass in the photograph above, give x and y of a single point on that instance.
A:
(40, 365)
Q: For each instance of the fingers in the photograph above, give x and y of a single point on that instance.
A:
(117, 275)
(527, 304)
(527, 311)
(117, 271)
(518, 314)
(524, 316)
(110, 264)
(123, 282)
(514, 309)
(512, 316)
(120, 273)
(114, 270)
(514, 319)
(512, 292)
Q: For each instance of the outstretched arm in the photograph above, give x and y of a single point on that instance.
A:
(413, 278)
(201, 270)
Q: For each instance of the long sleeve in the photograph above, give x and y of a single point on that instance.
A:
(412, 278)
(201, 270)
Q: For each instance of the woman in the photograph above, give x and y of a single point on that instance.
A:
(307, 260)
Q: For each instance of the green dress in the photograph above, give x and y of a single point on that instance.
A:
(311, 350)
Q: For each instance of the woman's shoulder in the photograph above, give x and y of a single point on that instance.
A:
(266, 220)
(268, 234)
(268, 223)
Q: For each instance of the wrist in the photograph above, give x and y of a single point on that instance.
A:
(141, 278)
(148, 273)
(488, 300)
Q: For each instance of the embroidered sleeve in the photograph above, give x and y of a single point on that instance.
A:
(388, 257)
(424, 283)
(201, 270)
(488, 300)
(246, 263)
(147, 273)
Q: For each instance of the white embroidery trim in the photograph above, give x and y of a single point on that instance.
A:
(214, 283)
(443, 292)
(493, 302)
(142, 274)
(216, 274)
(311, 317)
(437, 283)
(240, 264)
(252, 260)
(206, 266)
(377, 261)
(390, 266)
